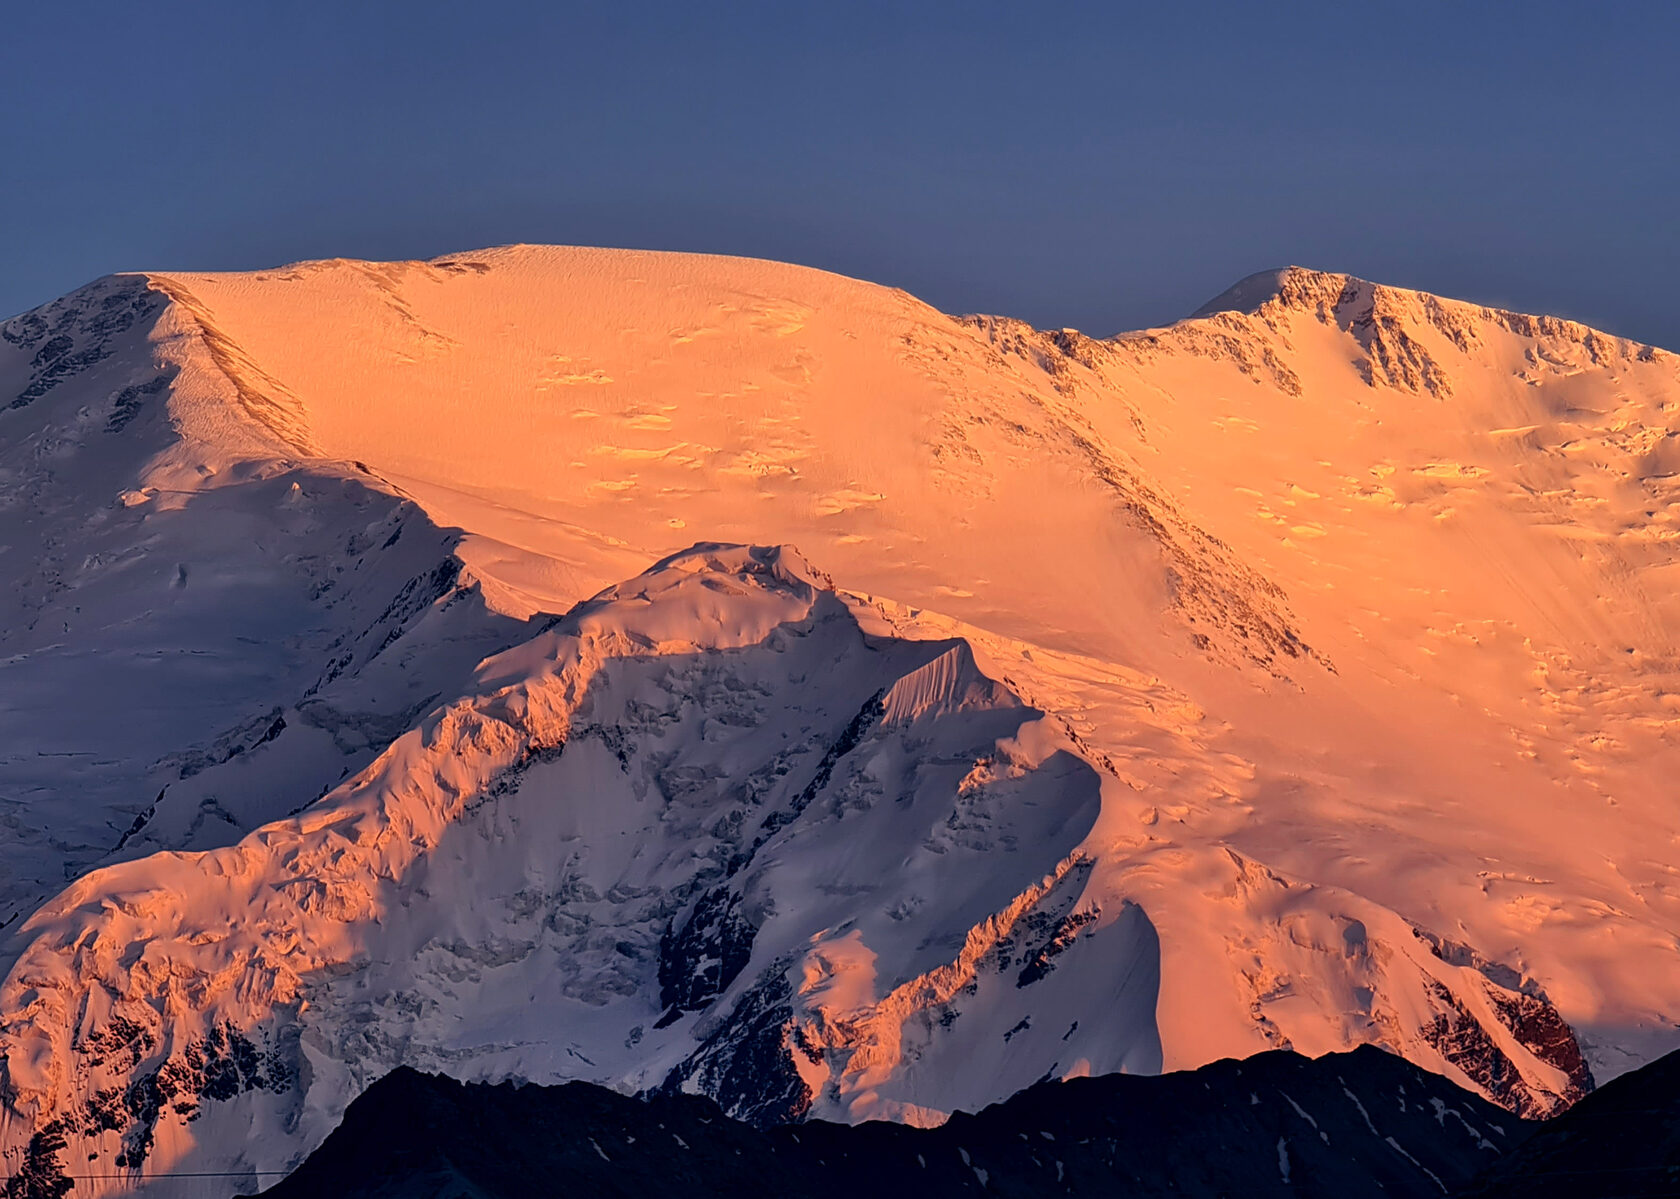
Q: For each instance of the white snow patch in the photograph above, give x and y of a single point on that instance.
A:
(1395, 1145)
(1363, 1114)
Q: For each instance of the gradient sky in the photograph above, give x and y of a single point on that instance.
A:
(1105, 166)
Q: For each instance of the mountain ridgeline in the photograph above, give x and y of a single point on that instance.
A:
(696, 676)
(1360, 1123)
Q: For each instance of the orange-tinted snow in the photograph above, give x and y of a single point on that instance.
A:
(1355, 607)
(1468, 513)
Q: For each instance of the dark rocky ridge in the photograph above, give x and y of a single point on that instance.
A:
(1360, 1123)
(1621, 1142)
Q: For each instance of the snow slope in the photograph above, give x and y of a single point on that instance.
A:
(1301, 674)
(180, 586)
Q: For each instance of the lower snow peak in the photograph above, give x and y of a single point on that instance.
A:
(714, 830)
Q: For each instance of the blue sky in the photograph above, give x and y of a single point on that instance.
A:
(1105, 166)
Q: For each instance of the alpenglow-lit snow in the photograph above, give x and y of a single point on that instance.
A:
(699, 673)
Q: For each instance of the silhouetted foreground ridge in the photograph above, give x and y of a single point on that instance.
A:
(1360, 1123)
(1621, 1142)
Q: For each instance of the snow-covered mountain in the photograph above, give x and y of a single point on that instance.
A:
(1303, 674)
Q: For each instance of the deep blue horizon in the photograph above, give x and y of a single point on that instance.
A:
(1101, 166)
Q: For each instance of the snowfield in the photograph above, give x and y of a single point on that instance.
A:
(696, 673)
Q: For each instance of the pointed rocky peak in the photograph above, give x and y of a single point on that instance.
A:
(1356, 303)
(1248, 293)
(1406, 337)
(1294, 288)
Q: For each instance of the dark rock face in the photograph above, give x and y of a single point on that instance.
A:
(1362, 1123)
(219, 1066)
(1466, 1044)
(701, 956)
(1623, 1141)
(40, 1175)
(698, 961)
(744, 1062)
(1524, 1009)
(1063, 933)
(1538, 1026)
(131, 400)
(72, 334)
(848, 740)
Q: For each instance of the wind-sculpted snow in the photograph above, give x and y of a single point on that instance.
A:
(1301, 675)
